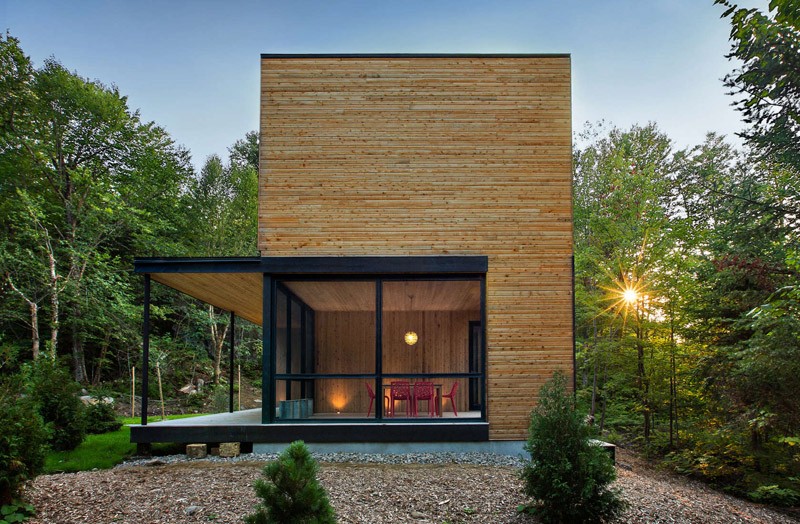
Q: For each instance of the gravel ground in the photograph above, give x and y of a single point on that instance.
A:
(436, 488)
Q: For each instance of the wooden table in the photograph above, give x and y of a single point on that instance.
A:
(387, 391)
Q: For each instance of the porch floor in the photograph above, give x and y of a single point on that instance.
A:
(248, 417)
(246, 426)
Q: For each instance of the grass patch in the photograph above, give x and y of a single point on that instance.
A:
(103, 451)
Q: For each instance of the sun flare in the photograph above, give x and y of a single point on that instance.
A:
(630, 295)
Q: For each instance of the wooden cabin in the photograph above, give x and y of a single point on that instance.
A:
(415, 226)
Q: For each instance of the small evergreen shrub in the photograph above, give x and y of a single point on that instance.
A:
(56, 395)
(101, 418)
(23, 440)
(290, 493)
(568, 478)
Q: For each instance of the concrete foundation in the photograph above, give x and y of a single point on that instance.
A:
(500, 447)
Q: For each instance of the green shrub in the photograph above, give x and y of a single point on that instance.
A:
(291, 493)
(776, 495)
(220, 399)
(22, 440)
(56, 396)
(16, 511)
(719, 457)
(568, 477)
(101, 418)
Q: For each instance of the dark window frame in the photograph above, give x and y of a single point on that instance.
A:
(378, 376)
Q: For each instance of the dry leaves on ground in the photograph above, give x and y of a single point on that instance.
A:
(363, 493)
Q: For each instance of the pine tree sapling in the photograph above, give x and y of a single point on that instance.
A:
(568, 477)
(291, 493)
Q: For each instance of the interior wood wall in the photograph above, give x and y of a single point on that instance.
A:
(345, 343)
(426, 156)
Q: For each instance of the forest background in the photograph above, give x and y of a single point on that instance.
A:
(686, 260)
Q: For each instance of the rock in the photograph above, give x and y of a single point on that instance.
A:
(417, 515)
(154, 462)
(90, 400)
(229, 449)
(188, 389)
(196, 451)
(191, 510)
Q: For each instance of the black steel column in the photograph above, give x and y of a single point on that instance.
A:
(379, 349)
(230, 365)
(484, 381)
(288, 385)
(303, 346)
(145, 347)
(267, 352)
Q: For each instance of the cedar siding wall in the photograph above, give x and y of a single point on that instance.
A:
(434, 155)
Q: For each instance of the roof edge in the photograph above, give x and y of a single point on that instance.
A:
(319, 265)
(414, 55)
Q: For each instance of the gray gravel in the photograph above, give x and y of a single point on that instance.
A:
(475, 458)
(409, 488)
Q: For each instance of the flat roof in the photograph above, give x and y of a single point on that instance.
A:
(236, 283)
(415, 55)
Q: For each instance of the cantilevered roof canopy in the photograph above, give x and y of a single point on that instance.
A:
(236, 284)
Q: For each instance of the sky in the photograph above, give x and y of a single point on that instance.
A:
(192, 66)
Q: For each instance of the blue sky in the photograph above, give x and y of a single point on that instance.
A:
(193, 66)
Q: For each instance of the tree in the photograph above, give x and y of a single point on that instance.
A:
(290, 492)
(621, 219)
(244, 152)
(87, 182)
(768, 81)
(224, 200)
(568, 477)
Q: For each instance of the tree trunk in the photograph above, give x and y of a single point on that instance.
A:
(98, 366)
(34, 310)
(596, 365)
(643, 389)
(34, 329)
(78, 360)
(217, 343)
(673, 386)
(54, 291)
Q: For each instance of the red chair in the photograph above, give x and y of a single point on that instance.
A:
(424, 391)
(452, 397)
(399, 390)
(371, 394)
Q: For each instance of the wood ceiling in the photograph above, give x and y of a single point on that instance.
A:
(439, 295)
(241, 293)
(237, 292)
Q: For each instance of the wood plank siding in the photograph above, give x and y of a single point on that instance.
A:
(450, 155)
